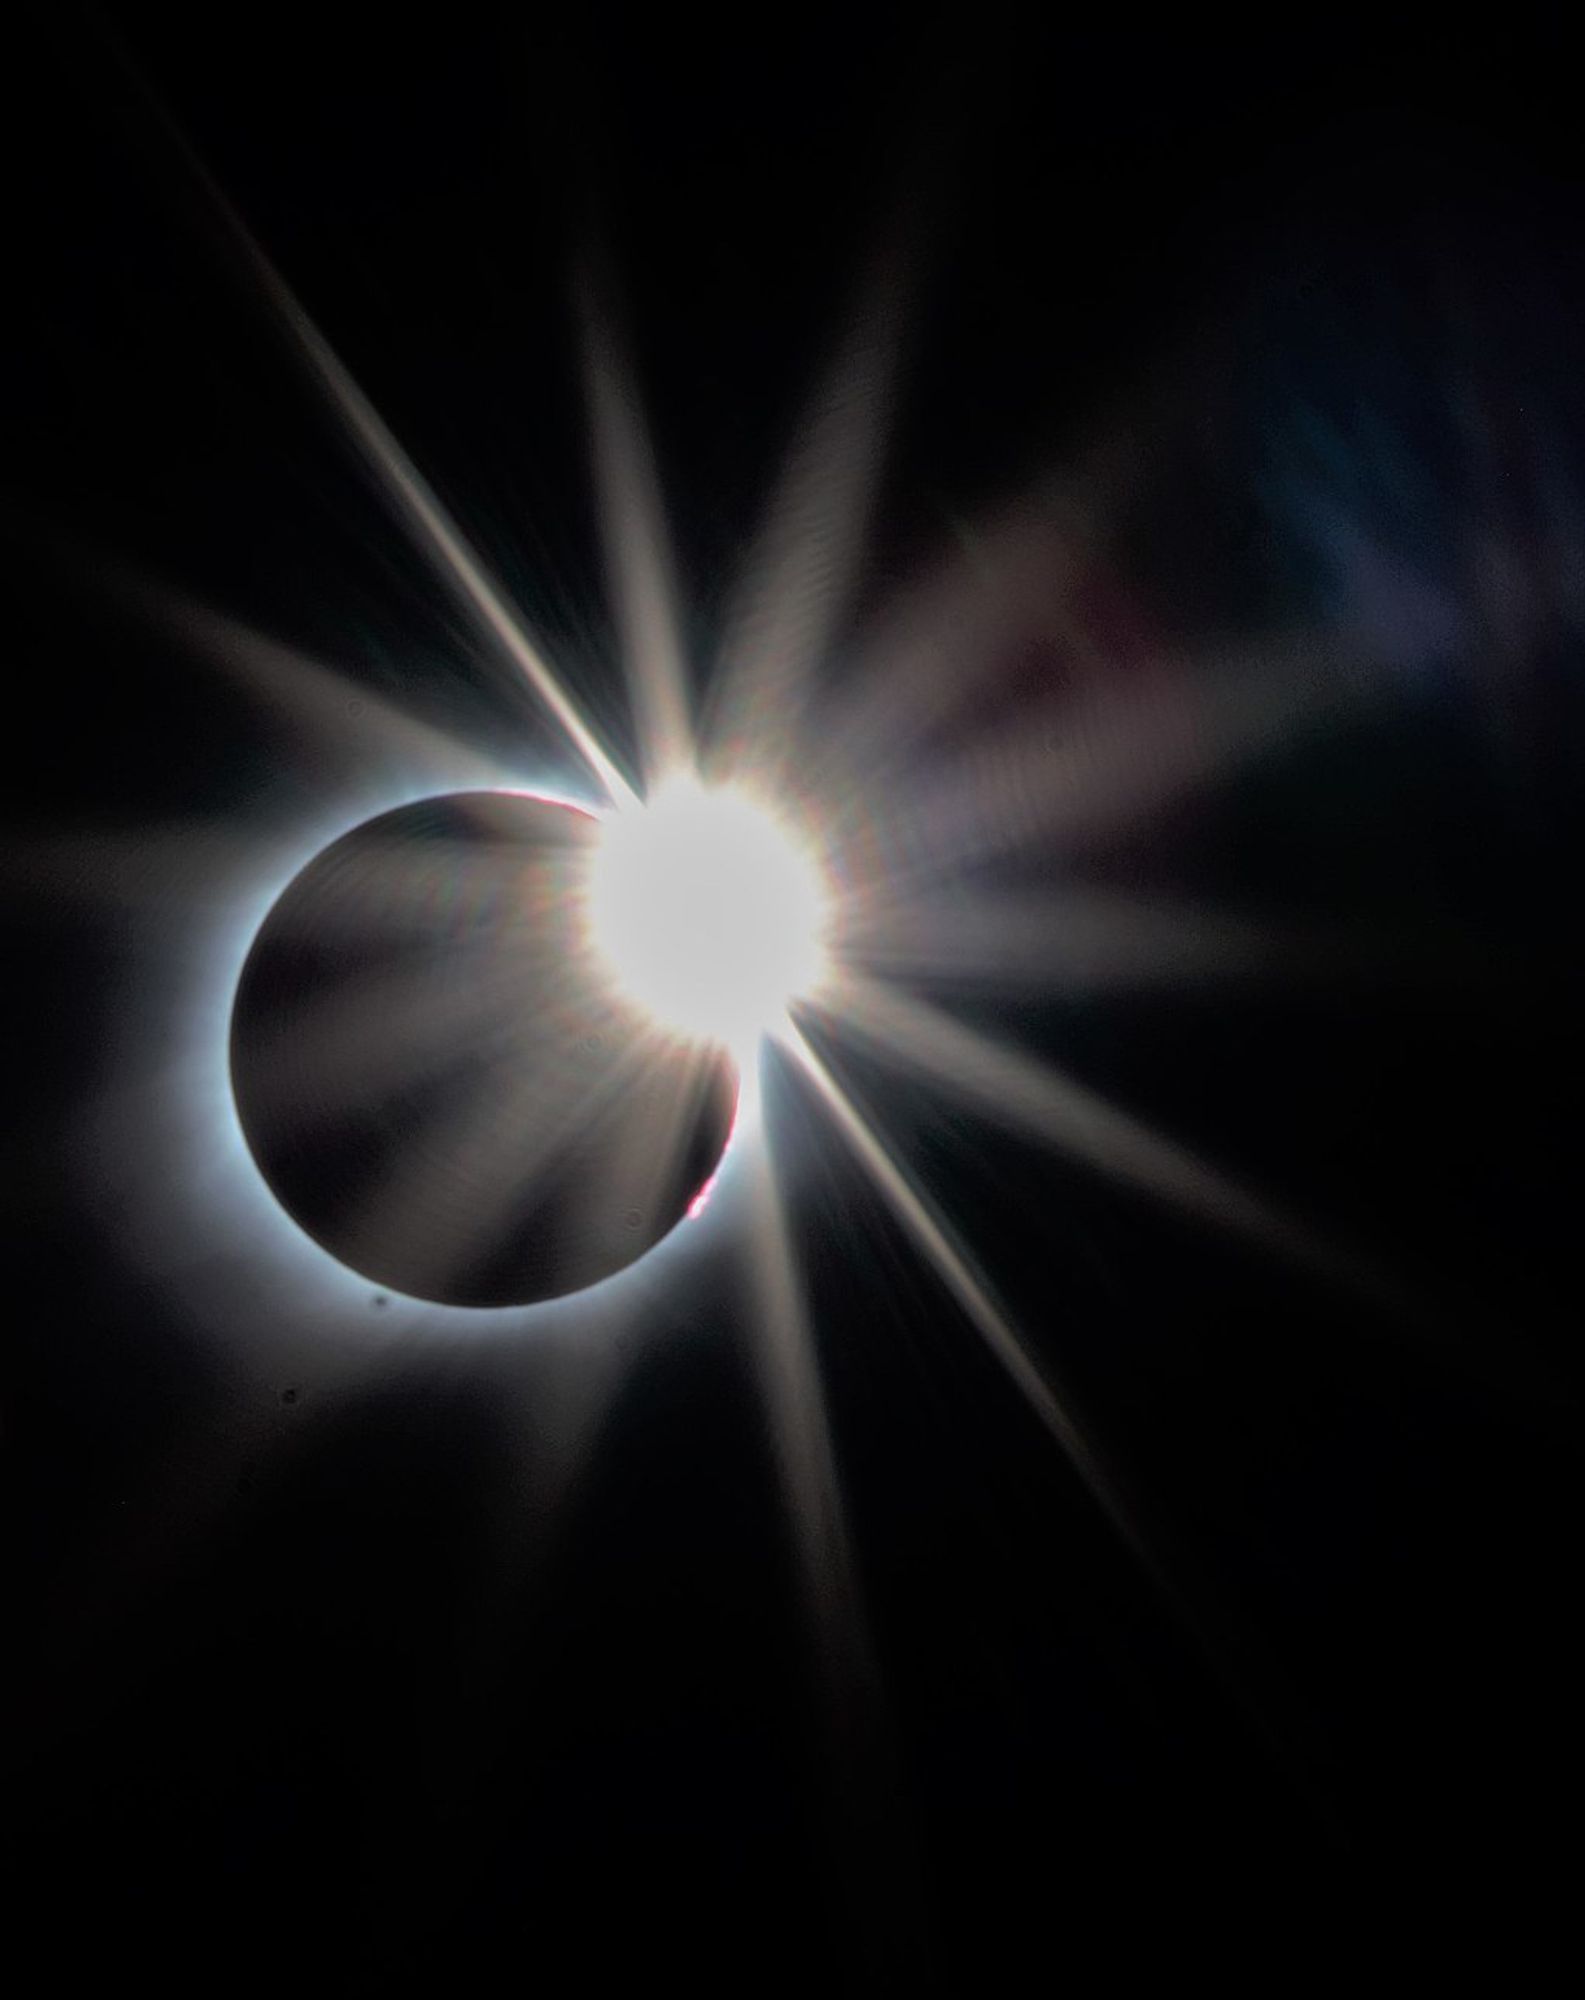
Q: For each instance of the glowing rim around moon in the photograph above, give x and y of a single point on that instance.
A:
(744, 1057)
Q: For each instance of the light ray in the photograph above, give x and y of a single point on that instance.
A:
(923, 656)
(504, 1143)
(801, 1434)
(935, 1238)
(638, 557)
(356, 1042)
(677, 1101)
(1229, 1649)
(1076, 772)
(1137, 748)
(1088, 940)
(922, 659)
(1035, 1098)
(410, 493)
(805, 560)
(859, 1757)
(330, 710)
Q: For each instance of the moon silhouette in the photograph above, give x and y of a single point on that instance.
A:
(437, 1078)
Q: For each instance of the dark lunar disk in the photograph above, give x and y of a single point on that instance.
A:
(437, 1080)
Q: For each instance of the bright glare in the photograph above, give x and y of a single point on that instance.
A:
(708, 912)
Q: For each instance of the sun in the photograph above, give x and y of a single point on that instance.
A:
(709, 912)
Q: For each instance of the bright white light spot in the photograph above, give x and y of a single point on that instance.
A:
(708, 912)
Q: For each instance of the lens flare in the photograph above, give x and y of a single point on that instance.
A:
(709, 912)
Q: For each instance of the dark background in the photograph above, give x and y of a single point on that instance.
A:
(398, 1719)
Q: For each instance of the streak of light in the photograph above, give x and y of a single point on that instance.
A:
(187, 866)
(922, 658)
(504, 1141)
(805, 561)
(415, 501)
(1230, 1651)
(868, 1837)
(1037, 1099)
(968, 1286)
(329, 710)
(1076, 772)
(1088, 940)
(802, 1437)
(677, 1104)
(359, 1041)
(638, 557)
